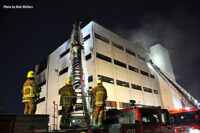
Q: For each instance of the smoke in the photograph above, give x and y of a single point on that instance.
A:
(152, 30)
(180, 35)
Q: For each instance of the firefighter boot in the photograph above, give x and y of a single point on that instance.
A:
(94, 123)
(99, 125)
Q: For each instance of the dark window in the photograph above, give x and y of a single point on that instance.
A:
(144, 73)
(118, 46)
(133, 69)
(42, 83)
(103, 57)
(140, 57)
(155, 118)
(41, 67)
(147, 89)
(90, 78)
(86, 37)
(101, 38)
(120, 63)
(87, 57)
(137, 87)
(106, 79)
(164, 118)
(155, 91)
(146, 118)
(130, 52)
(64, 53)
(152, 76)
(122, 83)
(63, 71)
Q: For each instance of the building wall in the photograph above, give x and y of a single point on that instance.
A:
(166, 95)
(160, 57)
(110, 69)
(58, 70)
(41, 78)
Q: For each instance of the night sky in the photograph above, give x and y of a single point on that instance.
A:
(29, 35)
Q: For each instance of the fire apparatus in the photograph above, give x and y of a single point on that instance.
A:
(137, 119)
(186, 98)
(186, 120)
(143, 119)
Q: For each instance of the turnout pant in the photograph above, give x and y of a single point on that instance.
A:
(98, 115)
(30, 108)
(64, 122)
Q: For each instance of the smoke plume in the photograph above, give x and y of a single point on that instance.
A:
(180, 36)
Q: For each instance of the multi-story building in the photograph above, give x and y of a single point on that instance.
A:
(123, 66)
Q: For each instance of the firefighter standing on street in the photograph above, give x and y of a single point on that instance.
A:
(30, 93)
(67, 101)
(100, 95)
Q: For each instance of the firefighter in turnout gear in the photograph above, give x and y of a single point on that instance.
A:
(100, 95)
(30, 93)
(76, 49)
(76, 42)
(67, 101)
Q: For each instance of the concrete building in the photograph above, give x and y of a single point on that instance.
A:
(123, 66)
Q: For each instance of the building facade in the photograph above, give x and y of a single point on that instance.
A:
(123, 66)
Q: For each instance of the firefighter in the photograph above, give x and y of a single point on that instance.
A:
(100, 95)
(30, 93)
(76, 48)
(67, 103)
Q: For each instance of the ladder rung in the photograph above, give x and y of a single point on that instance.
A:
(76, 72)
(80, 113)
(78, 90)
(75, 63)
(78, 103)
(76, 86)
(75, 60)
(79, 94)
(76, 82)
(76, 66)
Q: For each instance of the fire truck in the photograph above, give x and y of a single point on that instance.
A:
(144, 119)
(136, 119)
(186, 120)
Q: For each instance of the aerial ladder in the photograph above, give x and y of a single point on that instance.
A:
(185, 97)
(80, 117)
(78, 75)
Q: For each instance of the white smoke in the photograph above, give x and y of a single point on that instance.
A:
(179, 38)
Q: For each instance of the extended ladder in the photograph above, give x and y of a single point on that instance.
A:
(79, 83)
(185, 97)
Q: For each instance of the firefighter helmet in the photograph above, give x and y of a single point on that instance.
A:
(99, 81)
(69, 81)
(30, 74)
